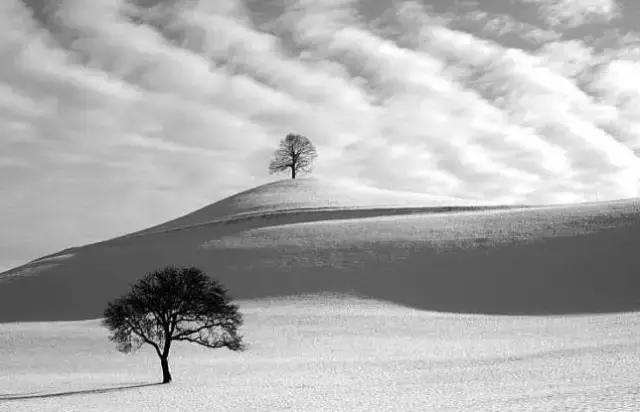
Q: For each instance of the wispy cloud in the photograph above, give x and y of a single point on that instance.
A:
(573, 13)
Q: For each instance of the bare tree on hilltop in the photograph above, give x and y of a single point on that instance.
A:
(295, 152)
(174, 304)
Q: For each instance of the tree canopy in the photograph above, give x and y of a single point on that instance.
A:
(174, 304)
(296, 153)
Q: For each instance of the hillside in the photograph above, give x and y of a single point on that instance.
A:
(305, 195)
(308, 236)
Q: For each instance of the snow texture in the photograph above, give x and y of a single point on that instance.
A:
(336, 353)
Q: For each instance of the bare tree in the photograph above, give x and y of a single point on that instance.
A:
(174, 304)
(295, 152)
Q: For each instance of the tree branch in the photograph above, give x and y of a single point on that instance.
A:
(144, 337)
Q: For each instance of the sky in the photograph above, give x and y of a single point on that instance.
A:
(119, 114)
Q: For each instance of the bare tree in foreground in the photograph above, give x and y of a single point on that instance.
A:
(295, 152)
(174, 304)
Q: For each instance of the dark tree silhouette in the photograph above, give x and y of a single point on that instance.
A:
(174, 304)
(295, 152)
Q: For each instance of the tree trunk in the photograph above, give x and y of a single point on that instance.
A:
(293, 172)
(166, 375)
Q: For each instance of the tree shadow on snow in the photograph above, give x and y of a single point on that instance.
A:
(37, 395)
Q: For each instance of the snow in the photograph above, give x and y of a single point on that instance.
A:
(377, 342)
(452, 259)
(440, 230)
(319, 353)
(307, 195)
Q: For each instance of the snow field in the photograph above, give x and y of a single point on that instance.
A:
(325, 353)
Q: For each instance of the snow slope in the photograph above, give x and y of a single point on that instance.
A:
(306, 194)
(310, 236)
(336, 354)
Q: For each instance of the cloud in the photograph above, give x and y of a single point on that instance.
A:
(573, 13)
(617, 83)
(115, 115)
(504, 27)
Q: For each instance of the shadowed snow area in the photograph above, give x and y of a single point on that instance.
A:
(309, 236)
(336, 353)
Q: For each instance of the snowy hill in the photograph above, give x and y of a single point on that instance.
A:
(307, 195)
(310, 236)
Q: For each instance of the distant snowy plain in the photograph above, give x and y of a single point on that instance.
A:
(336, 353)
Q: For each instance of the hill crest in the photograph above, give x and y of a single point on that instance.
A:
(306, 194)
